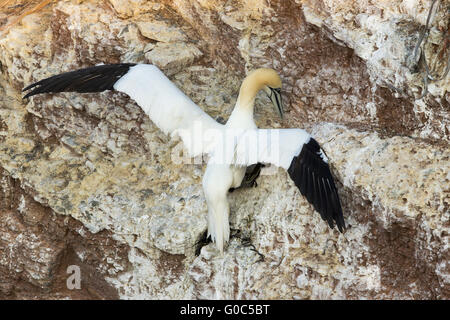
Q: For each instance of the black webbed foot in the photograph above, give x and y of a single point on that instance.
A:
(251, 174)
(203, 241)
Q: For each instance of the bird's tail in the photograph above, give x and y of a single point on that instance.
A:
(218, 224)
(93, 79)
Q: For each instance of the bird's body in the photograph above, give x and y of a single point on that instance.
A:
(232, 147)
(221, 177)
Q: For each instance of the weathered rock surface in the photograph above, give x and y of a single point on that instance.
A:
(88, 180)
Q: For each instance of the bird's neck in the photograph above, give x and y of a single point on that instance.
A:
(242, 115)
(249, 88)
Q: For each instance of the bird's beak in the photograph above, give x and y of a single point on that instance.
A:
(274, 95)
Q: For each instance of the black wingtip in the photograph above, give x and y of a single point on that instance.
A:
(312, 175)
(29, 94)
(93, 79)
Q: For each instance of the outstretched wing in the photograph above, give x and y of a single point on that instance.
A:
(166, 105)
(306, 163)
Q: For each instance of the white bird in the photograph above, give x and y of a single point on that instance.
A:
(231, 147)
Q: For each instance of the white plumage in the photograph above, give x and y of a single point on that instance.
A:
(274, 146)
(168, 107)
(232, 147)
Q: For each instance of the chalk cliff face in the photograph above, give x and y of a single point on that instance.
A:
(88, 180)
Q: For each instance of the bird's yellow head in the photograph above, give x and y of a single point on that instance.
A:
(262, 79)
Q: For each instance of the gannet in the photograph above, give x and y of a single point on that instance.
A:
(231, 147)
